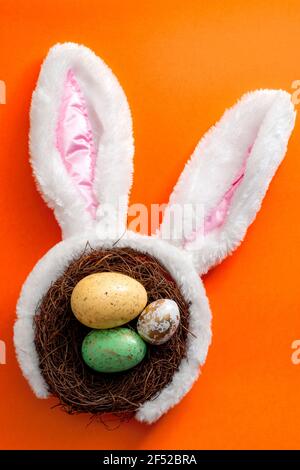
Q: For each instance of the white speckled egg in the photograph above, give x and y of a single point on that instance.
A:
(159, 321)
(107, 300)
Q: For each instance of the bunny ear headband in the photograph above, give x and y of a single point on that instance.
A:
(81, 148)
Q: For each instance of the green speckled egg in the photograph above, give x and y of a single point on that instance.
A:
(113, 350)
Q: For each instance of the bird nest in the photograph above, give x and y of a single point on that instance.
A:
(59, 336)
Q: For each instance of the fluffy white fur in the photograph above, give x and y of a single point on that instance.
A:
(180, 267)
(112, 131)
(263, 119)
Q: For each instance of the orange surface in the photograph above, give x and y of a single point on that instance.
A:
(181, 64)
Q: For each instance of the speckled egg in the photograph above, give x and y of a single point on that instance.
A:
(159, 321)
(113, 350)
(107, 300)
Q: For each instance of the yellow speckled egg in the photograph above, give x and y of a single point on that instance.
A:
(107, 300)
(159, 321)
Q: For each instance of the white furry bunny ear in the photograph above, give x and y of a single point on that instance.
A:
(81, 141)
(223, 184)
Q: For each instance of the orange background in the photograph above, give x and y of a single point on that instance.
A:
(181, 63)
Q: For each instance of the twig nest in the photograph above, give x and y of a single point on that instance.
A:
(59, 336)
(159, 321)
(106, 300)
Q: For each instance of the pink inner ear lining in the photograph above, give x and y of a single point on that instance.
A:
(217, 216)
(74, 141)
